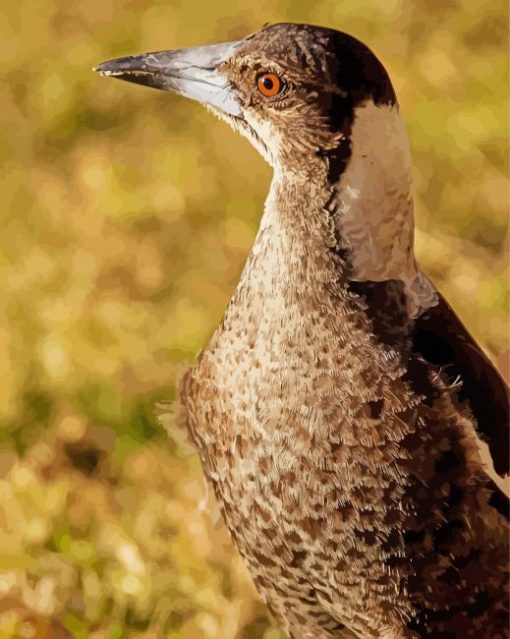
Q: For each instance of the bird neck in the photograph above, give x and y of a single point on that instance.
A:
(296, 252)
(358, 228)
(364, 201)
(319, 239)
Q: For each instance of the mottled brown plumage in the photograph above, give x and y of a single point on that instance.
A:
(336, 408)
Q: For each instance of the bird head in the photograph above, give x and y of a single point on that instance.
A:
(320, 108)
(291, 89)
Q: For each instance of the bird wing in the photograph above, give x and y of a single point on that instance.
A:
(442, 339)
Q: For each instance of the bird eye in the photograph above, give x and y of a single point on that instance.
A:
(269, 84)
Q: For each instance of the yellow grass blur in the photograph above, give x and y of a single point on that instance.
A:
(127, 215)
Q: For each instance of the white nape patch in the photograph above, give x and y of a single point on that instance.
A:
(375, 205)
(375, 208)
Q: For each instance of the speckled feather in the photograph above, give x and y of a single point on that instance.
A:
(339, 407)
(354, 500)
(345, 464)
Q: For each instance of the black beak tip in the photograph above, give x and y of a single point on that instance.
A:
(106, 68)
(121, 66)
(131, 69)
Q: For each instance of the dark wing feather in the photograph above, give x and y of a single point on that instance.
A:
(441, 338)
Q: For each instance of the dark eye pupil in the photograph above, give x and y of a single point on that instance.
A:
(268, 83)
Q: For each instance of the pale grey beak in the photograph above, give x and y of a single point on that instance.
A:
(192, 73)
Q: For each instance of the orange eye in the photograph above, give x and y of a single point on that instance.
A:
(269, 84)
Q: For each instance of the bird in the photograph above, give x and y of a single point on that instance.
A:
(340, 406)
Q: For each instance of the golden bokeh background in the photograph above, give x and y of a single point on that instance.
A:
(127, 215)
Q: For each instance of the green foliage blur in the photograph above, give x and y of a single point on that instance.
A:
(126, 217)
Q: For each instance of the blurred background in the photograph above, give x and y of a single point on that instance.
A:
(127, 215)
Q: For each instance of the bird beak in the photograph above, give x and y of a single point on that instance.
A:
(193, 73)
